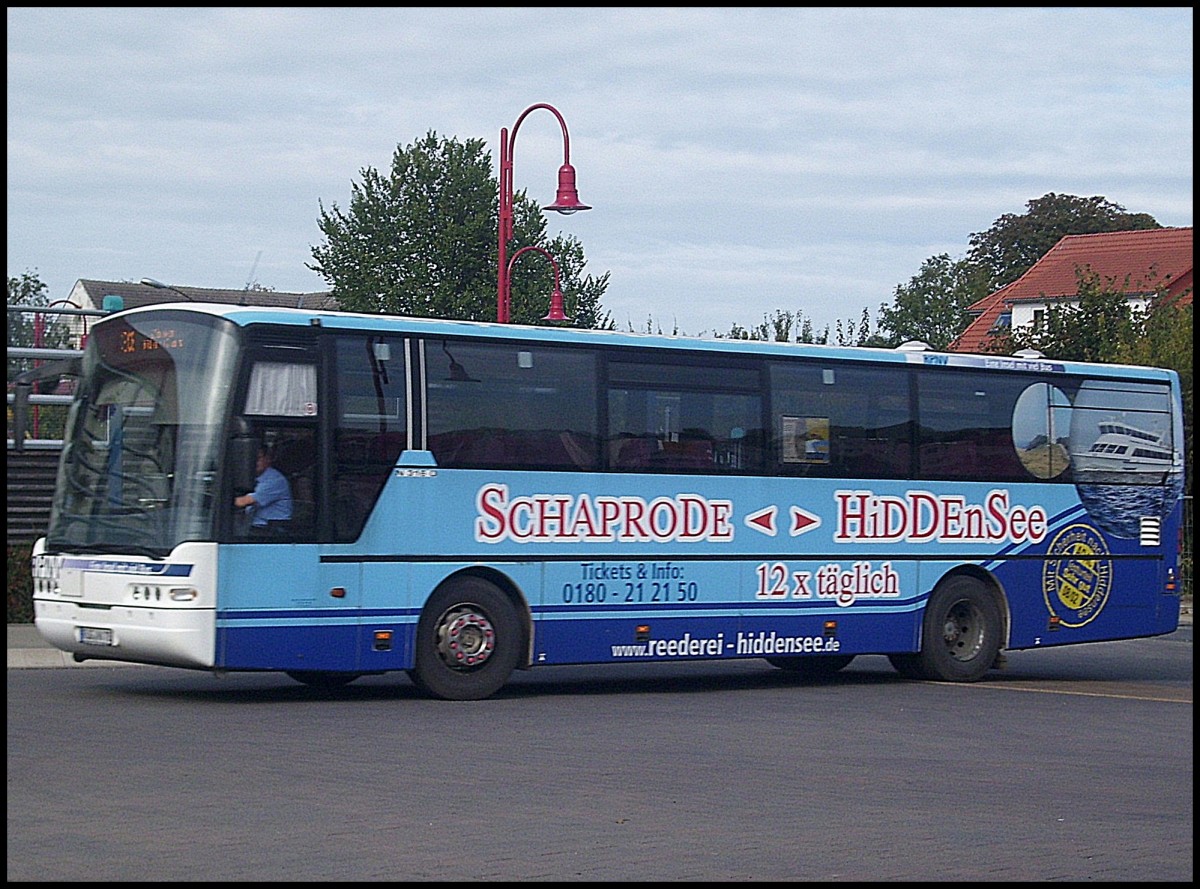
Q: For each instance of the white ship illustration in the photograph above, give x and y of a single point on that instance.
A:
(1124, 453)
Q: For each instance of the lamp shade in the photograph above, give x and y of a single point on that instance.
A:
(556, 303)
(566, 201)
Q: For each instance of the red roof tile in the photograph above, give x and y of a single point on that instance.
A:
(1147, 258)
(990, 308)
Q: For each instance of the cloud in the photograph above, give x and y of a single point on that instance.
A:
(739, 160)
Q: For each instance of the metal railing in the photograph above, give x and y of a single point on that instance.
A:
(48, 362)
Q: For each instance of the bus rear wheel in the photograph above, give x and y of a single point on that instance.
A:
(815, 666)
(960, 637)
(468, 641)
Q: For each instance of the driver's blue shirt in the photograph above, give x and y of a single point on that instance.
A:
(272, 499)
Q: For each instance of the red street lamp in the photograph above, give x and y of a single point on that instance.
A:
(566, 201)
(556, 297)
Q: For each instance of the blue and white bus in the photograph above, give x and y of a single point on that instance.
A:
(475, 498)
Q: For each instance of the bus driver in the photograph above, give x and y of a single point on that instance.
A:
(271, 499)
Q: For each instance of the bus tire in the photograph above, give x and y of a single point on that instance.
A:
(815, 666)
(960, 636)
(322, 679)
(468, 641)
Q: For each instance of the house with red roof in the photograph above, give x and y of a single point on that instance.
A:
(1140, 262)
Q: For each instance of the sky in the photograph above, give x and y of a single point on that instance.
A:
(739, 162)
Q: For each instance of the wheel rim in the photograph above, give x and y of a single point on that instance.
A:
(465, 638)
(963, 631)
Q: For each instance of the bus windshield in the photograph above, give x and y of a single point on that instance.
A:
(143, 438)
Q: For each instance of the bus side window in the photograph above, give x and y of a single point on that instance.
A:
(371, 425)
(295, 457)
(841, 421)
(966, 425)
(684, 418)
(511, 406)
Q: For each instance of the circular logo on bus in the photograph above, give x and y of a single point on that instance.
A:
(1077, 575)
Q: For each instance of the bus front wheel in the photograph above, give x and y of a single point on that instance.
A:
(960, 636)
(468, 641)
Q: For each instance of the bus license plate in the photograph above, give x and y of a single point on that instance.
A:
(95, 636)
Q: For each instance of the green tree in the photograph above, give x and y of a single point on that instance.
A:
(654, 327)
(932, 306)
(1165, 340)
(778, 327)
(793, 327)
(1094, 328)
(29, 290)
(1015, 242)
(1104, 327)
(421, 240)
(30, 329)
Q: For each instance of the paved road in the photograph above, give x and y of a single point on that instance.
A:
(1075, 764)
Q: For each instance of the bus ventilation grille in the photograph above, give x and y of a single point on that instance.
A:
(1150, 531)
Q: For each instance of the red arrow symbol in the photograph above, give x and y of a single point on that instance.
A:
(763, 521)
(803, 521)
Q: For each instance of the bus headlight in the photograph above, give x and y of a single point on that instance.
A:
(153, 593)
(45, 574)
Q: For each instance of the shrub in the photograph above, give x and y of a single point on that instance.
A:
(20, 584)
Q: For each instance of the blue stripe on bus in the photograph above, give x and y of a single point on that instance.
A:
(140, 569)
(321, 615)
(723, 608)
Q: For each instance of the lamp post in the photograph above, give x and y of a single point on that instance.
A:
(556, 298)
(159, 285)
(566, 201)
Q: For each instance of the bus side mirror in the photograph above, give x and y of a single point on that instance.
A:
(243, 457)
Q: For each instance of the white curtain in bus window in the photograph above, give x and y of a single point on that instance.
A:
(280, 389)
